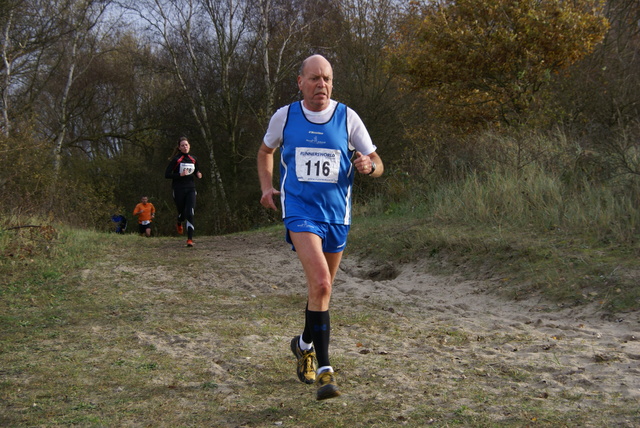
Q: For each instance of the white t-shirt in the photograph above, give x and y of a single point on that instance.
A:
(359, 137)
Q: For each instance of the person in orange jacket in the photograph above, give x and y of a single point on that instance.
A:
(145, 211)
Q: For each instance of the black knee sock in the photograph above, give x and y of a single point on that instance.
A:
(306, 334)
(320, 326)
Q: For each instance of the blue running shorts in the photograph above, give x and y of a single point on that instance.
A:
(334, 236)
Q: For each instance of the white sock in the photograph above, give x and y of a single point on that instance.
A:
(324, 369)
(304, 345)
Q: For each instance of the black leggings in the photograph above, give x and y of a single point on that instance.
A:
(185, 200)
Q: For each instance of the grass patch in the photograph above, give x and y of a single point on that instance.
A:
(529, 234)
(567, 270)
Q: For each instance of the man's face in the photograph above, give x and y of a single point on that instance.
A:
(145, 200)
(316, 83)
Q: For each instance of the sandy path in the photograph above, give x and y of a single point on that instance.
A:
(577, 350)
(582, 349)
(405, 342)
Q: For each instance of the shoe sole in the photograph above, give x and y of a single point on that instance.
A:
(327, 391)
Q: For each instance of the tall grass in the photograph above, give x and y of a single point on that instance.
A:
(525, 179)
(544, 223)
(535, 199)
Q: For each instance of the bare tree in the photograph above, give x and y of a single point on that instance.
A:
(282, 32)
(28, 28)
(234, 49)
(80, 21)
(364, 79)
(8, 64)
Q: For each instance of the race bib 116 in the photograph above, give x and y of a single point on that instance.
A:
(317, 165)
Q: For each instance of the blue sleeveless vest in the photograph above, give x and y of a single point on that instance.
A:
(316, 173)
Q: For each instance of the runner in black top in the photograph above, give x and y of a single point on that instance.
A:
(181, 169)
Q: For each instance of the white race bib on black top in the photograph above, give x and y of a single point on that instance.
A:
(188, 168)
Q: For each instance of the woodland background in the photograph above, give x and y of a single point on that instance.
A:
(94, 95)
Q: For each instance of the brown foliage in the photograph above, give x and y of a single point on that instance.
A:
(486, 60)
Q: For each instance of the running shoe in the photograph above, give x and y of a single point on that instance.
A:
(306, 362)
(179, 228)
(189, 243)
(327, 386)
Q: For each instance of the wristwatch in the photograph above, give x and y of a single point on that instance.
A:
(373, 168)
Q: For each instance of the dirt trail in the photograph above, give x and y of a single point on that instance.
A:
(437, 342)
(582, 349)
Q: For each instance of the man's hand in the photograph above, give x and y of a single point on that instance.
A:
(363, 163)
(267, 199)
